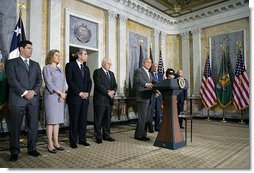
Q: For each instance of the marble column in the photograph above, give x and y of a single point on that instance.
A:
(111, 48)
(163, 47)
(122, 55)
(54, 24)
(35, 28)
(196, 36)
(155, 47)
(186, 57)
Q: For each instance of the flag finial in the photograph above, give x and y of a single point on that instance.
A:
(21, 6)
(140, 42)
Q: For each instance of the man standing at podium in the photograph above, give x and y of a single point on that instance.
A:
(143, 80)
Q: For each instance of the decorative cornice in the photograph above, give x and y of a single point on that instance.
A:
(149, 16)
(110, 15)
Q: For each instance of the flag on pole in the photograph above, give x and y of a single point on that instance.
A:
(151, 57)
(3, 83)
(224, 85)
(240, 84)
(161, 66)
(140, 56)
(18, 35)
(207, 89)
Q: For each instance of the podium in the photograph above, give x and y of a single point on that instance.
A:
(170, 135)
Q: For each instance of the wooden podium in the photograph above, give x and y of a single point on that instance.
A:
(170, 135)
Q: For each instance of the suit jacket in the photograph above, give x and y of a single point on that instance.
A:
(160, 78)
(101, 87)
(76, 83)
(21, 79)
(140, 79)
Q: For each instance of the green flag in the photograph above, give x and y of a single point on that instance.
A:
(224, 85)
(3, 83)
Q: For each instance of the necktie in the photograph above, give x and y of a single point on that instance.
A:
(82, 70)
(26, 63)
(156, 76)
(108, 75)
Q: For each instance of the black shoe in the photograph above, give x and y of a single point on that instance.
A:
(84, 143)
(34, 153)
(98, 141)
(59, 148)
(74, 145)
(181, 127)
(143, 139)
(151, 131)
(109, 139)
(14, 157)
(52, 151)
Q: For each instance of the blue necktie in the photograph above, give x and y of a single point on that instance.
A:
(26, 63)
(108, 75)
(156, 75)
(82, 70)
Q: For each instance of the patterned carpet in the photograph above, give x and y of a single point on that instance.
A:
(215, 145)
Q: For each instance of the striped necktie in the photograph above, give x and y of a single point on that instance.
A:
(26, 63)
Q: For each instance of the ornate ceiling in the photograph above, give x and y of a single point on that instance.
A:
(177, 8)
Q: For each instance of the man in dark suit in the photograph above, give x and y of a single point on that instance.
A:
(104, 91)
(143, 81)
(181, 100)
(24, 78)
(79, 87)
(156, 101)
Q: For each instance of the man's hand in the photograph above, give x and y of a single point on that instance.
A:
(149, 85)
(30, 94)
(111, 93)
(84, 95)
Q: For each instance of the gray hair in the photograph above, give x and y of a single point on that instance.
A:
(145, 59)
(80, 51)
(105, 60)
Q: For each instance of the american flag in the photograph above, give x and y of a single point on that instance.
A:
(240, 84)
(207, 89)
(160, 65)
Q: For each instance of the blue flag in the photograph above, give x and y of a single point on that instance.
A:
(18, 35)
(140, 56)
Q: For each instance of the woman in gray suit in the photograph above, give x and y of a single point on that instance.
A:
(54, 96)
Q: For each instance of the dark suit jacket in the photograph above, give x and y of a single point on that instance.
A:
(20, 79)
(101, 87)
(76, 83)
(140, 79)
(182, 96)
(160, 78)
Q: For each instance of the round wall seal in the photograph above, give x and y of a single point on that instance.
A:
(181, 82)
(82, 33)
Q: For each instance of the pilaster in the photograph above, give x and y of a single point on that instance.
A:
(196, 36)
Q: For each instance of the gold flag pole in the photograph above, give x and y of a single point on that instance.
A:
(223, 109)
(208, 116)
(21, 6)
(239, 45)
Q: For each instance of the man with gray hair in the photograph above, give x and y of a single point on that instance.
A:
(143, 81)
(104, 91)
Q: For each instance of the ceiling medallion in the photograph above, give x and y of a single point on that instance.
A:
(178, 4)
(82, 33)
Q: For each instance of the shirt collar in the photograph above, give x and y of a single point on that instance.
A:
(79, 63)
(104, 70)
(25, 59)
